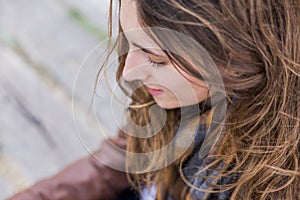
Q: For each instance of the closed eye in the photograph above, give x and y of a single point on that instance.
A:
(155, 63)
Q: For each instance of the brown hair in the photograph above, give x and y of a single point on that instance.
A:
(256, 46)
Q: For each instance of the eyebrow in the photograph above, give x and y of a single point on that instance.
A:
(146, 50)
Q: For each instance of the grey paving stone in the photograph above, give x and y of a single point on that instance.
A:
(47, 36)
(11, 177)
(55, 44)
(5, 189)
(96, 11)
(36, 127)
(37, 131)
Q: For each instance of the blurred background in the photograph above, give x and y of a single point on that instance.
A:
(42, 45)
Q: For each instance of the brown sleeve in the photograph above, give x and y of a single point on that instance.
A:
(86, 179)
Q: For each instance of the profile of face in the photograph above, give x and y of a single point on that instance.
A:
(170, 86)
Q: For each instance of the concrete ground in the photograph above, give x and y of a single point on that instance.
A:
(42, 45)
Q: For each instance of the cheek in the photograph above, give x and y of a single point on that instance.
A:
(201, 93)
(174, 84)
(177, 85)
(191, 93)
(164, 76)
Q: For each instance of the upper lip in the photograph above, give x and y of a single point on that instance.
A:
(153, 88)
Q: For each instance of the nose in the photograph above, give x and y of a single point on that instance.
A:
(135, 67)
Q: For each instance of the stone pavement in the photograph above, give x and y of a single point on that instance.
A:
(42, 45)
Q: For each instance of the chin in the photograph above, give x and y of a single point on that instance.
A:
(167, 105)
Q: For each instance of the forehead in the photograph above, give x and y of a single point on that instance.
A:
(132, 29)
(128, 15)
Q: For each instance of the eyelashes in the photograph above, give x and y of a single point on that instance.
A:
(155, 64)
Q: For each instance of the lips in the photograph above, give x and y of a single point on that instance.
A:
(154, 92)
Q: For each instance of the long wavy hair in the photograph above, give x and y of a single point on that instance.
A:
(256, 47)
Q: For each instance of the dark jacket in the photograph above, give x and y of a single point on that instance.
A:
(89, 179)
(86, 179)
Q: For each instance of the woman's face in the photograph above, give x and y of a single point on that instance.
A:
(170, 87)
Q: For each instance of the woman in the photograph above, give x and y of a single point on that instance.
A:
(245, 144)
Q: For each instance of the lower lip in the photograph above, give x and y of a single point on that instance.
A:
(155, 92)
